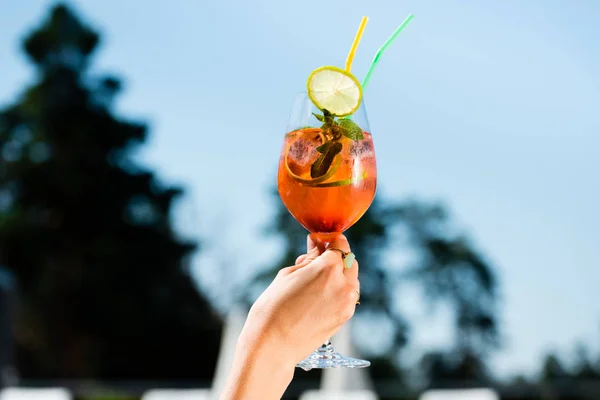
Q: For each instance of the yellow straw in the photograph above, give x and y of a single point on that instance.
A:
(359, 33)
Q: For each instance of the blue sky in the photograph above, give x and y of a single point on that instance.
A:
(491, 106)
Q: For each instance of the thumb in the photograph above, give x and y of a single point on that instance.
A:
(311, 255)
(313, 243)
(305, 259)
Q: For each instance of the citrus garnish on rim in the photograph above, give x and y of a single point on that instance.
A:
(335, 90)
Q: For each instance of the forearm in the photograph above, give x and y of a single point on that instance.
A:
(258, 372)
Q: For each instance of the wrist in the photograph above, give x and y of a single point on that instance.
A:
(260, 370)
(261, 350)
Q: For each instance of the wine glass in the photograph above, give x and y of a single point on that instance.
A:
(327, 179)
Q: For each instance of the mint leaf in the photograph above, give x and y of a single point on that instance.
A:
(324, 147)
(323, 163)
(319, 117)
(350, 129)
(329, 117)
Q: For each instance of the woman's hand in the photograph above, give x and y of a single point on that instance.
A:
(304, 306)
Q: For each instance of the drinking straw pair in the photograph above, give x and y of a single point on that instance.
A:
(381, 50)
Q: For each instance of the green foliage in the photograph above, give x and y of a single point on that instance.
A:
(333, 131)
(104, 285)
(578, 379)
(448, 369)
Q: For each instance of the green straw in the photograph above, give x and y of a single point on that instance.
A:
(387, 44)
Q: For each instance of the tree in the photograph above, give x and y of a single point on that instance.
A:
(443, 263)
(584, 369)
(556, 380)
(105, 290)
(553, 369)
(448, 370)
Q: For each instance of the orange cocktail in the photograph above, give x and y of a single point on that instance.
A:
(332, 203)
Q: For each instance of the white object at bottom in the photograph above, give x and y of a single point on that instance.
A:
(338, 395)
(179, 394)
(460, 394)
(22, 393)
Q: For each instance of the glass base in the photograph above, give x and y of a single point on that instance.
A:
(326, 357)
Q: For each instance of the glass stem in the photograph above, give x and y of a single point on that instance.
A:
(326, 348)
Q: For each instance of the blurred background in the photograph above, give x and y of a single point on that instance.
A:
(139, 143)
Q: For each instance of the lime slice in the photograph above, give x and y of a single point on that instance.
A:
(335, 90)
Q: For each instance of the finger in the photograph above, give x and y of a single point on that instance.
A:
(340, 242)
(333, 258)
(352, 272)
(305, 259)
(312, 241)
